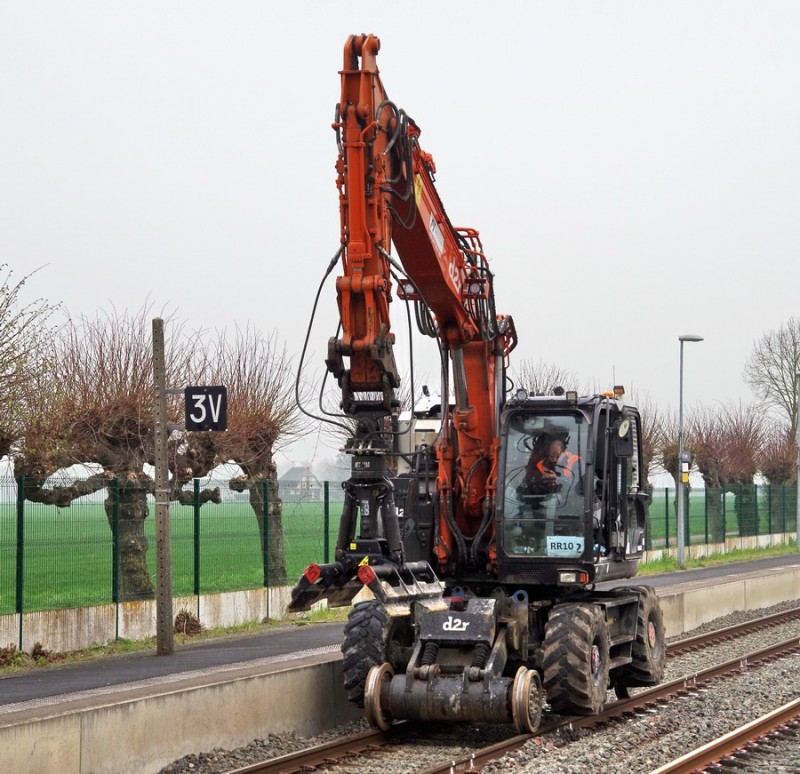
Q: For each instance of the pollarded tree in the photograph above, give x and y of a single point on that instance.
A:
(24, 337)
(778, 464)
(777, 459)
(665, 443)
(262, 413)
(704, 439)
(743, 437)
(726, 444)
(93, 405)
(771, 370)
(654, 427)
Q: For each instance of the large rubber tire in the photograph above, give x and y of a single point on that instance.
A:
(372, 638)
(576, 659)
(649, 649)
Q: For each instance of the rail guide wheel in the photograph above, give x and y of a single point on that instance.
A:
(527, 698)
(378, 680)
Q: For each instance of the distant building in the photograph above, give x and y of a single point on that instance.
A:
(300, 484)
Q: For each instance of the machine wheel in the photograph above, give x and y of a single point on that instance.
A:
(378, 679)
(526, 700)
(372, 637)
(576, 659)
(649, 649)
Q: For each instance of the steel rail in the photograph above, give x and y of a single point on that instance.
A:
(731, 632)
(643, 700)
(732, 742)
(308, 759)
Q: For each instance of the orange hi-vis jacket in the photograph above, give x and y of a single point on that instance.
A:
(564, 466)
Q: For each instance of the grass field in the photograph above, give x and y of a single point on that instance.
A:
(68, 555)
(776, 513)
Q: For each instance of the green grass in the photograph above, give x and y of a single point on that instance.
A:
(775, 513)
(669, 564)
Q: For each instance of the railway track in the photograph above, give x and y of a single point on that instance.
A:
(362, 751)
(751, 747)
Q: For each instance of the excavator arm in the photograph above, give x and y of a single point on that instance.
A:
(388, 197)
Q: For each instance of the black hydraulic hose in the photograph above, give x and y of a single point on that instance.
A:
(486, 520)
(333, 262)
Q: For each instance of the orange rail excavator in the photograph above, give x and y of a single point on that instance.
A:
(479, 524)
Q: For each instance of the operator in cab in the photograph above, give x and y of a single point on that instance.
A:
(557, 466)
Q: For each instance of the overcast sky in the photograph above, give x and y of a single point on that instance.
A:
(633, 167)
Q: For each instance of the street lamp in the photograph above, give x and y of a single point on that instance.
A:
(683, 463)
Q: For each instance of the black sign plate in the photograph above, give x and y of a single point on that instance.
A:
(206, 408)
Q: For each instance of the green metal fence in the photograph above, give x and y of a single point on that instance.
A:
(54, 558)
(70, 557)
(716, 515)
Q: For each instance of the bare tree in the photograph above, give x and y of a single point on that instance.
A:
(772, 368)
(704, 440)
(654, 427)
(726, 443)
(94, 406)
(778, 464)
(778, 455)
(664, 439)
(262, 412)
(24, 335)
(743, 439)
(539, 377)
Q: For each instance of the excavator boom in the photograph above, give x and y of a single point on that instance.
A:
(387, 196)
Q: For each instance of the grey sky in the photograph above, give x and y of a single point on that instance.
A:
(633, 167)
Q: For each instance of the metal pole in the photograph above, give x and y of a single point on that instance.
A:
(196, 536)
(683, 473)
(115, 546)
(797, 464)
(265, 546)
(326, 524)
(165, 644)
(681, 536)
(20, 600)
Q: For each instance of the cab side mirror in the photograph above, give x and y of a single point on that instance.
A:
(623, 438)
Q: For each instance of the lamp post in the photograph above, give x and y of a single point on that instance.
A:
(797, 461)
(683, 463)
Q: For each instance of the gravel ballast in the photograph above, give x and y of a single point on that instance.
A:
(638, 743)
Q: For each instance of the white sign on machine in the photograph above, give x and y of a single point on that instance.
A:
(565, 545)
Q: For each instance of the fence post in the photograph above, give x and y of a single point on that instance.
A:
(783, 508)
(265, 542)
(724, 523)
(666, 517)
(326, 521)
(196, 541)
(740, 500)
(20, 590)
(115, 546)
(756, 514)
(769, 511)
(705, 508)
(687, 524)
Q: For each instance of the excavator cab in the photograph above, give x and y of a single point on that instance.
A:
(573, 508)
